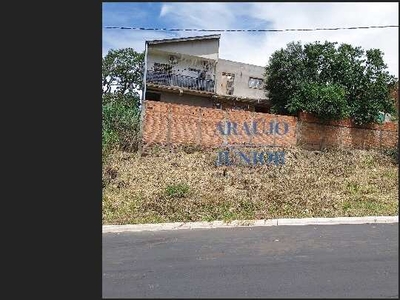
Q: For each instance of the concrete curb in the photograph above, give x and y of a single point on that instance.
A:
(250, 223)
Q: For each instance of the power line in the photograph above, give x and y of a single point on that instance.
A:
(252, 30)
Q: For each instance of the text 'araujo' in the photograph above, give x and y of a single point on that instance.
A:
(255, 127)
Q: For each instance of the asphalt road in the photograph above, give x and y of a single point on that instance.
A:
(268, 262)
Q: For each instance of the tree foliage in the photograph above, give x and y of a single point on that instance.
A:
(324, 100)
(330, 81)
(123, 68)
(122, 75)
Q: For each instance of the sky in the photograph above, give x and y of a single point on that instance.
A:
(255, 48)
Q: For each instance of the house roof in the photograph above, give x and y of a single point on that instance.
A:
(240, 63)
(184, 39)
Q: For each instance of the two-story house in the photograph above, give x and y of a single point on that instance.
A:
(189, 71)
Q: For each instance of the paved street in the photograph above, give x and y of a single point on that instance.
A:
(268, 262)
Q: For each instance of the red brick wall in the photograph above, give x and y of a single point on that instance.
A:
(175, 124)
(315, 134)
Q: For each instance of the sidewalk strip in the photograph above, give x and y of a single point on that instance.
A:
(250, 223)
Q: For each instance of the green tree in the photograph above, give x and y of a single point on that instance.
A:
(329, 81)
(123, 70)
(324, 100)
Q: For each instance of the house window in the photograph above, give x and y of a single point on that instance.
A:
(256, 83)
(228, 80)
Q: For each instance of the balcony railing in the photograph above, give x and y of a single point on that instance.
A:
(179, 80)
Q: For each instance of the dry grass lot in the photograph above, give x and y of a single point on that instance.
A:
(187, 186)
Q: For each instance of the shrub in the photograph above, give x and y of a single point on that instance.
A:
(120, 124)
(177, 190)
(392, 153)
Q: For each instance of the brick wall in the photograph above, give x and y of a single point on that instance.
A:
(315, 134)
(168, 123)
(175, 124)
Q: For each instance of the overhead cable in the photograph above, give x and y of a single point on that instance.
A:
(252, 30)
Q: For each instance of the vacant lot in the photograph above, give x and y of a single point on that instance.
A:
(186, 185)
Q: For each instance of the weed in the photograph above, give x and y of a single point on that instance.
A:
(177, 190)
(189, 149)
(346, 206)
(393, 154)
(155, 150)
(353, 188)
(369, 161)
(390, 174)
